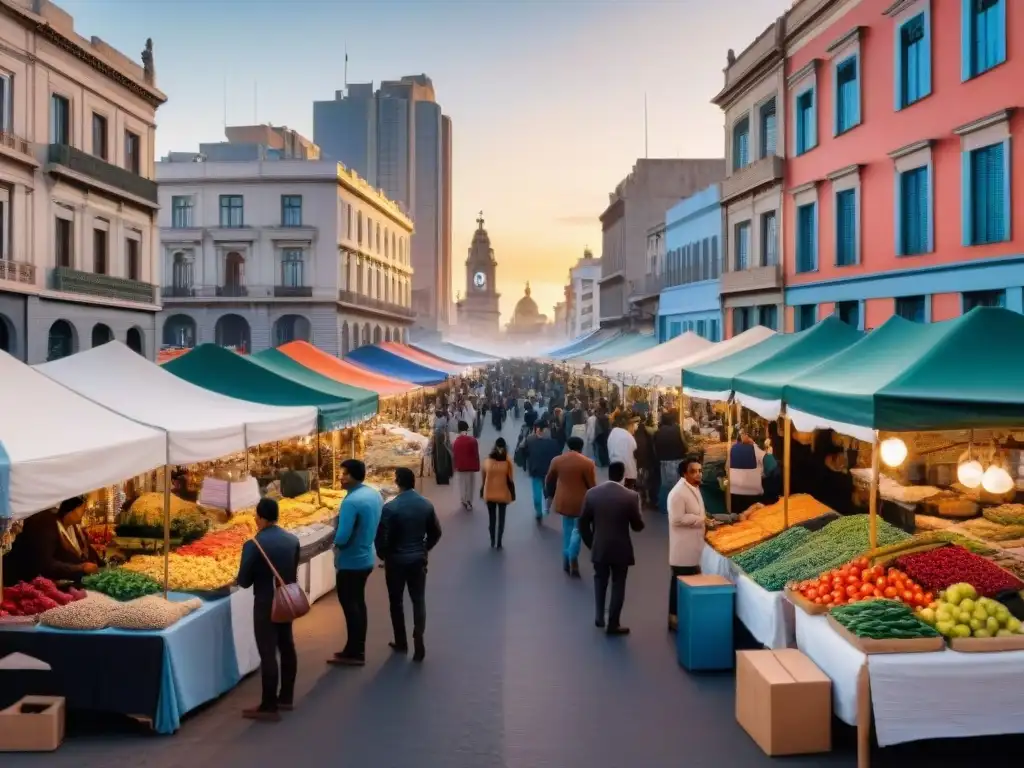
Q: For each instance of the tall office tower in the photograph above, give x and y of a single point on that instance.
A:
(398, 139)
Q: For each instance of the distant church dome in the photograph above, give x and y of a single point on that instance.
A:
(526, 309)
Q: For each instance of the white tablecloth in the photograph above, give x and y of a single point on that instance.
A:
(768, 616)
(919, 696)
(712, 562)
(246, 653)
(321, 575)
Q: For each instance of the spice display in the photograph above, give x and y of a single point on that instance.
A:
(90, 613)
(185, 572)
(940, 568)
(763, 523)
(223, 545)
(151, 613)
(837, 543)
(882, 620)
(859, 580)
(960, 612)
(770, 551)
(988, 530)
(922, 542)
(38, 596)
(1005, 514)
(121, 584)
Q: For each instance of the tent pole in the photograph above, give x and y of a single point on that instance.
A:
(728, 457)
(316, 458)
(167, 521)
(787, 429)
(873, 503)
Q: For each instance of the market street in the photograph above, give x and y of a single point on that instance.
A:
(516, 676)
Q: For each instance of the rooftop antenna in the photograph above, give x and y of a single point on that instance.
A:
(645, 126)
(346, 69)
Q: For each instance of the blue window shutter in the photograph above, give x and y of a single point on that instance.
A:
(812, 120)
(846, 228)
(897, 71)
(814, 236)
(966, 200)
(997, 16)
(925, 58)
(1007, 188)
(966, 40)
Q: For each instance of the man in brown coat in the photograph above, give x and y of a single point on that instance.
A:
(572, 474)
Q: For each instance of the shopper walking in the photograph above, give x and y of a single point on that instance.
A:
(408, 530)
(610, 511)
(686, 519)
(498, 489)
(466, 454)
(571, 475)
(541, 449)
(622, 449)
(358, 519)
(271, 549)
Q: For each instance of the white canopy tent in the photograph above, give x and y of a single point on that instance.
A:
(679, 348)
(55, 444)
(670, 372)
(201, 425)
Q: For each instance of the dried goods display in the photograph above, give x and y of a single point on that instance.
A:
(145, 519)
(1005, 514)
(91, 612)
(940, 568)
(988, 530)
(922, 542)
(960, 612)
(151, 613)
(858, 581)
(769, 551)
(882, 620)
(121, 584)
(186, 573)
(837, 543)
(35, 597)
(764, 522)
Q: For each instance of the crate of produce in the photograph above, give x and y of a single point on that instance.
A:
(884, 626)
(807, 606)
(973, 623)
(704, 639)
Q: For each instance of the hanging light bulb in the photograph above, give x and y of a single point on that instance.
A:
(893, 451)
(997, 480)
(970, 473)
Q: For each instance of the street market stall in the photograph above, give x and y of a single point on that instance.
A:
(343, 371)
(681, 347)
(382, 361)
(668, 368)
(424, 358)
(626, 344)
(582, 345)
(453, 353)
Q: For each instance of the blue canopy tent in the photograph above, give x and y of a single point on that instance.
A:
(452, 353)
(583, 344)
(390, 364)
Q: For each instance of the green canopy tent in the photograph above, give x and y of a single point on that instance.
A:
(714, 380)
(906, 376)
(221, 370)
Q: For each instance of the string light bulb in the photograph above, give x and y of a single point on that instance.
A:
(893, 452)
(970, 473)
(997, 480)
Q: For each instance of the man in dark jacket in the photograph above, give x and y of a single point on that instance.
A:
(609, 512)
(669, 450)
(408, 530)
(541, 449)
(281, 549)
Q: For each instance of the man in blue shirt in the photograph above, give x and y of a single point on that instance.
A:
(358, 519)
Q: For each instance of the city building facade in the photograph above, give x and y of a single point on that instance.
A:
(398, 139)
(478, 311)
(78, 202)
(751, 282)
(258, 253)
(689, 300)
(901, 177)
(637, 205)
(584, 289)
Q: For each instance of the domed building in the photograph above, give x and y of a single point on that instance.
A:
(527, 319)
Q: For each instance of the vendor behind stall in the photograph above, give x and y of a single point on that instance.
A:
(746, 470)
(52, 545)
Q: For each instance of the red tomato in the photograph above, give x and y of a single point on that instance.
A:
(929, 598)
(908, 597)
(853, 579)
(818, 601)
(881, 583)
(827, 598)
(812, 593)
(862, 562)
(890, 592)
(867, 589)
(853, 590)
(838, 594)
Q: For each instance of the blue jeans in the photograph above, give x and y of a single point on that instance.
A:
(537, 486)
(570, 539)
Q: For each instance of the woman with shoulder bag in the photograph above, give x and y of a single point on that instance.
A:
(498, 489)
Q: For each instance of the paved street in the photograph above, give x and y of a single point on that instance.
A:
(516, 676)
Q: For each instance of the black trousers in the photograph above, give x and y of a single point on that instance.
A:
(351, 587)
(617, 575)
(496, 514)
(673, 591)
(398, 577)
(273, 639)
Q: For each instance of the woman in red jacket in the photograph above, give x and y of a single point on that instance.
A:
(466, 454)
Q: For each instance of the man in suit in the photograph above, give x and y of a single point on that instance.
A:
(609, 512)
(408, 530)
(281, 549)
(572, 474)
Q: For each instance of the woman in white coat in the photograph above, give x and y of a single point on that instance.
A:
(686, 519)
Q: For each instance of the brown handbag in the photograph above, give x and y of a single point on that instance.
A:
(290, 602)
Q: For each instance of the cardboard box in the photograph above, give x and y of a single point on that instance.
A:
(784, 702)
(33, 724)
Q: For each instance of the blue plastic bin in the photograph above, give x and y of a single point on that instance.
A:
(704, 639)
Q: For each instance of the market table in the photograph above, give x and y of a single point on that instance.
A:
(915, 696)
(157, 676)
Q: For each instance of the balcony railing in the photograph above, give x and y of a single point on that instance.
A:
(110, 175)
(17, 272)
(293, 291)
(236, 291)
(754, 279)
(18, 144)
(648, 285)
(102, 286)
(358, 300)
(759, 173)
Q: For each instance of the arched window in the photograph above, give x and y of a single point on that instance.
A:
(181, 275)
(387, 334)
(234, 275)
(61, 341)
(344, 339)
(387, 242)
(291, 328)
(101, 334)
(179, 331)
(378, 335)
(7, 337)
(359, 227)
(366, 333)
(233, 331)
(135, 341)
(292, 268)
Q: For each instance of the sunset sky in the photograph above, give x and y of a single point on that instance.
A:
(546, 96)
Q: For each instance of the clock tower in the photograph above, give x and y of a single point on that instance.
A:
(478, 309)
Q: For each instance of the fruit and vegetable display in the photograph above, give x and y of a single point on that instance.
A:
(99, 536)
(960, 612)
(35, 597)
(1005, 514)
(122, 584)
(940, 568)
(187, 573)
(988, 530)
(225, 544)
(837, 543)
(764, 523)
(151, 613)
(90, 613)
(145, 519)
(858, 581)
(882, 620)
(923, 542)
(769, 551)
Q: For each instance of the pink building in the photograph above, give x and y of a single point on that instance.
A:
(899, 173)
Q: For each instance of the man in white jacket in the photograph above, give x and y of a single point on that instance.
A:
(686, 520)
